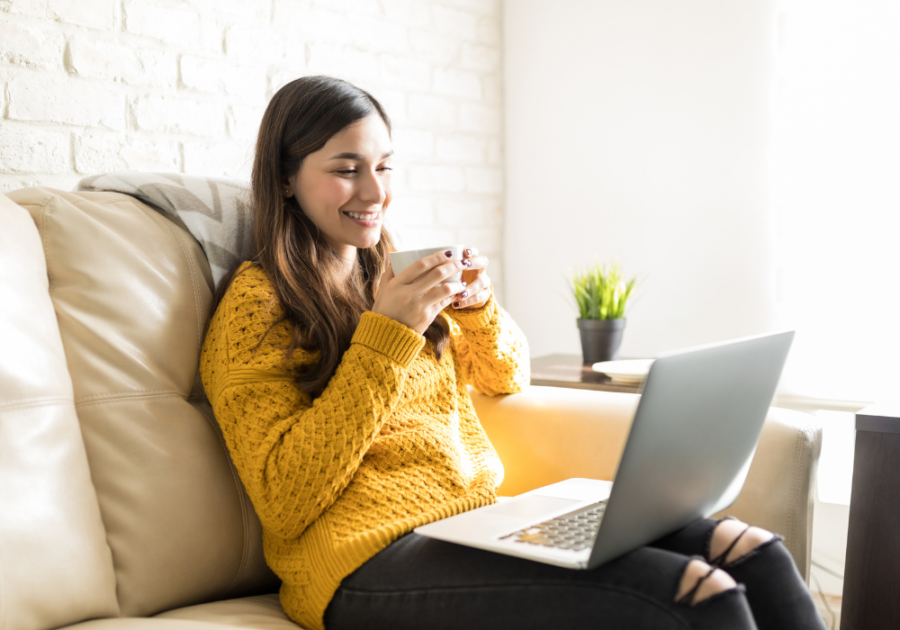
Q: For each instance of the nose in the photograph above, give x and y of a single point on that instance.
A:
(372, 188)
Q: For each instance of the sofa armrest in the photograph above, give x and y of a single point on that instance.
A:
(546, 434)
(780, 489)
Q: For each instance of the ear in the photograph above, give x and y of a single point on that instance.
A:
(289, 184)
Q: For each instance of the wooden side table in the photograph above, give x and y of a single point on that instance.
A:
(872, 570)
(567, 370)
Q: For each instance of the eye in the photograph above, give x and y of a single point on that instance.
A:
(350, 172)
(386, 168)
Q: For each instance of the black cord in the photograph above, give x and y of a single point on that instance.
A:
(822, 598)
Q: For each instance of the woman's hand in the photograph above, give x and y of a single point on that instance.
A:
(415, 296)
(478, 284)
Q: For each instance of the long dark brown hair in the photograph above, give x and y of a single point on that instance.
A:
(324, 313)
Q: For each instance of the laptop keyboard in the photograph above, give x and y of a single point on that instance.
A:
(575, 530)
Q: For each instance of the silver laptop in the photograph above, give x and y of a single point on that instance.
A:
(688, 452)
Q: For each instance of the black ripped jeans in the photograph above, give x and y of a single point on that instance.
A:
(417, 582)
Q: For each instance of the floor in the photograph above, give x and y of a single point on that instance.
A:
(829, 607)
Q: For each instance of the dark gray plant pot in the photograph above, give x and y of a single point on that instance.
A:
(600, 339)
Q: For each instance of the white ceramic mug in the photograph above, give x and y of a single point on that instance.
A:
(402, 260)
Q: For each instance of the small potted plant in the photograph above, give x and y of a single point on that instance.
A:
(601, 294)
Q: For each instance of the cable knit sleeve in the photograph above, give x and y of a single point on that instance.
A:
(295, 455)
(491, 349)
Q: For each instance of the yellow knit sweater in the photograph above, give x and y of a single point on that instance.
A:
(392, 443)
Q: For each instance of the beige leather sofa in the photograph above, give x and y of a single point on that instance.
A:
(119, 507)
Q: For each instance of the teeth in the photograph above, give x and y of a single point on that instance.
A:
(366, 217)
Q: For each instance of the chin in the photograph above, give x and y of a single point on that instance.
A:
(368, 243)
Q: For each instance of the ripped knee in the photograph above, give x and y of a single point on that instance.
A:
(733, 539)
(701, 581)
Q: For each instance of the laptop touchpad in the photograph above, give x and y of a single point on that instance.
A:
(533, 505)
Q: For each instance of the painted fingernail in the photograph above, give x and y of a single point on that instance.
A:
(468, 263)
(448, 253)
(468, 252)
(463, 283)
(464, 294)
(456, 305)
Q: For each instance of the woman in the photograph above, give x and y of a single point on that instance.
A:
(341, 391)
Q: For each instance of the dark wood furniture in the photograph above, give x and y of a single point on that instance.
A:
(567, 370)
(872, 571)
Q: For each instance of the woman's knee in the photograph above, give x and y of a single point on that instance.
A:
(734, 539)
(701, 581)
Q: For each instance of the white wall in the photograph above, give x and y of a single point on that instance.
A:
(90, 86)
(839, 202)
(640, 131)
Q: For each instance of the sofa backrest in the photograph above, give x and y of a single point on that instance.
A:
(55, 566)
(131, 290)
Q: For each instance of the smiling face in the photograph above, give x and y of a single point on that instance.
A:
(345, 187)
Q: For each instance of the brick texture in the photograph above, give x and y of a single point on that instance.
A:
(162, 85)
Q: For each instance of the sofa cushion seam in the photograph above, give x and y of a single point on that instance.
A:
(36, 401)
(114, 398)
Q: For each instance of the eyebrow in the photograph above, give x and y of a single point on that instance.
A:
(357, 156)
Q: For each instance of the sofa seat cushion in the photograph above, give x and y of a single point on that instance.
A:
(261, 612)
(258, 612)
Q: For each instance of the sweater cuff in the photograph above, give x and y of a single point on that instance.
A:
(389, 337)
(473, 319)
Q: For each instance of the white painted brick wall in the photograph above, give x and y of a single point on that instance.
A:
(98, 14)
(90, 86)
(29, 46)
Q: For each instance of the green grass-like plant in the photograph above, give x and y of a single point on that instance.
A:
(600, 291)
